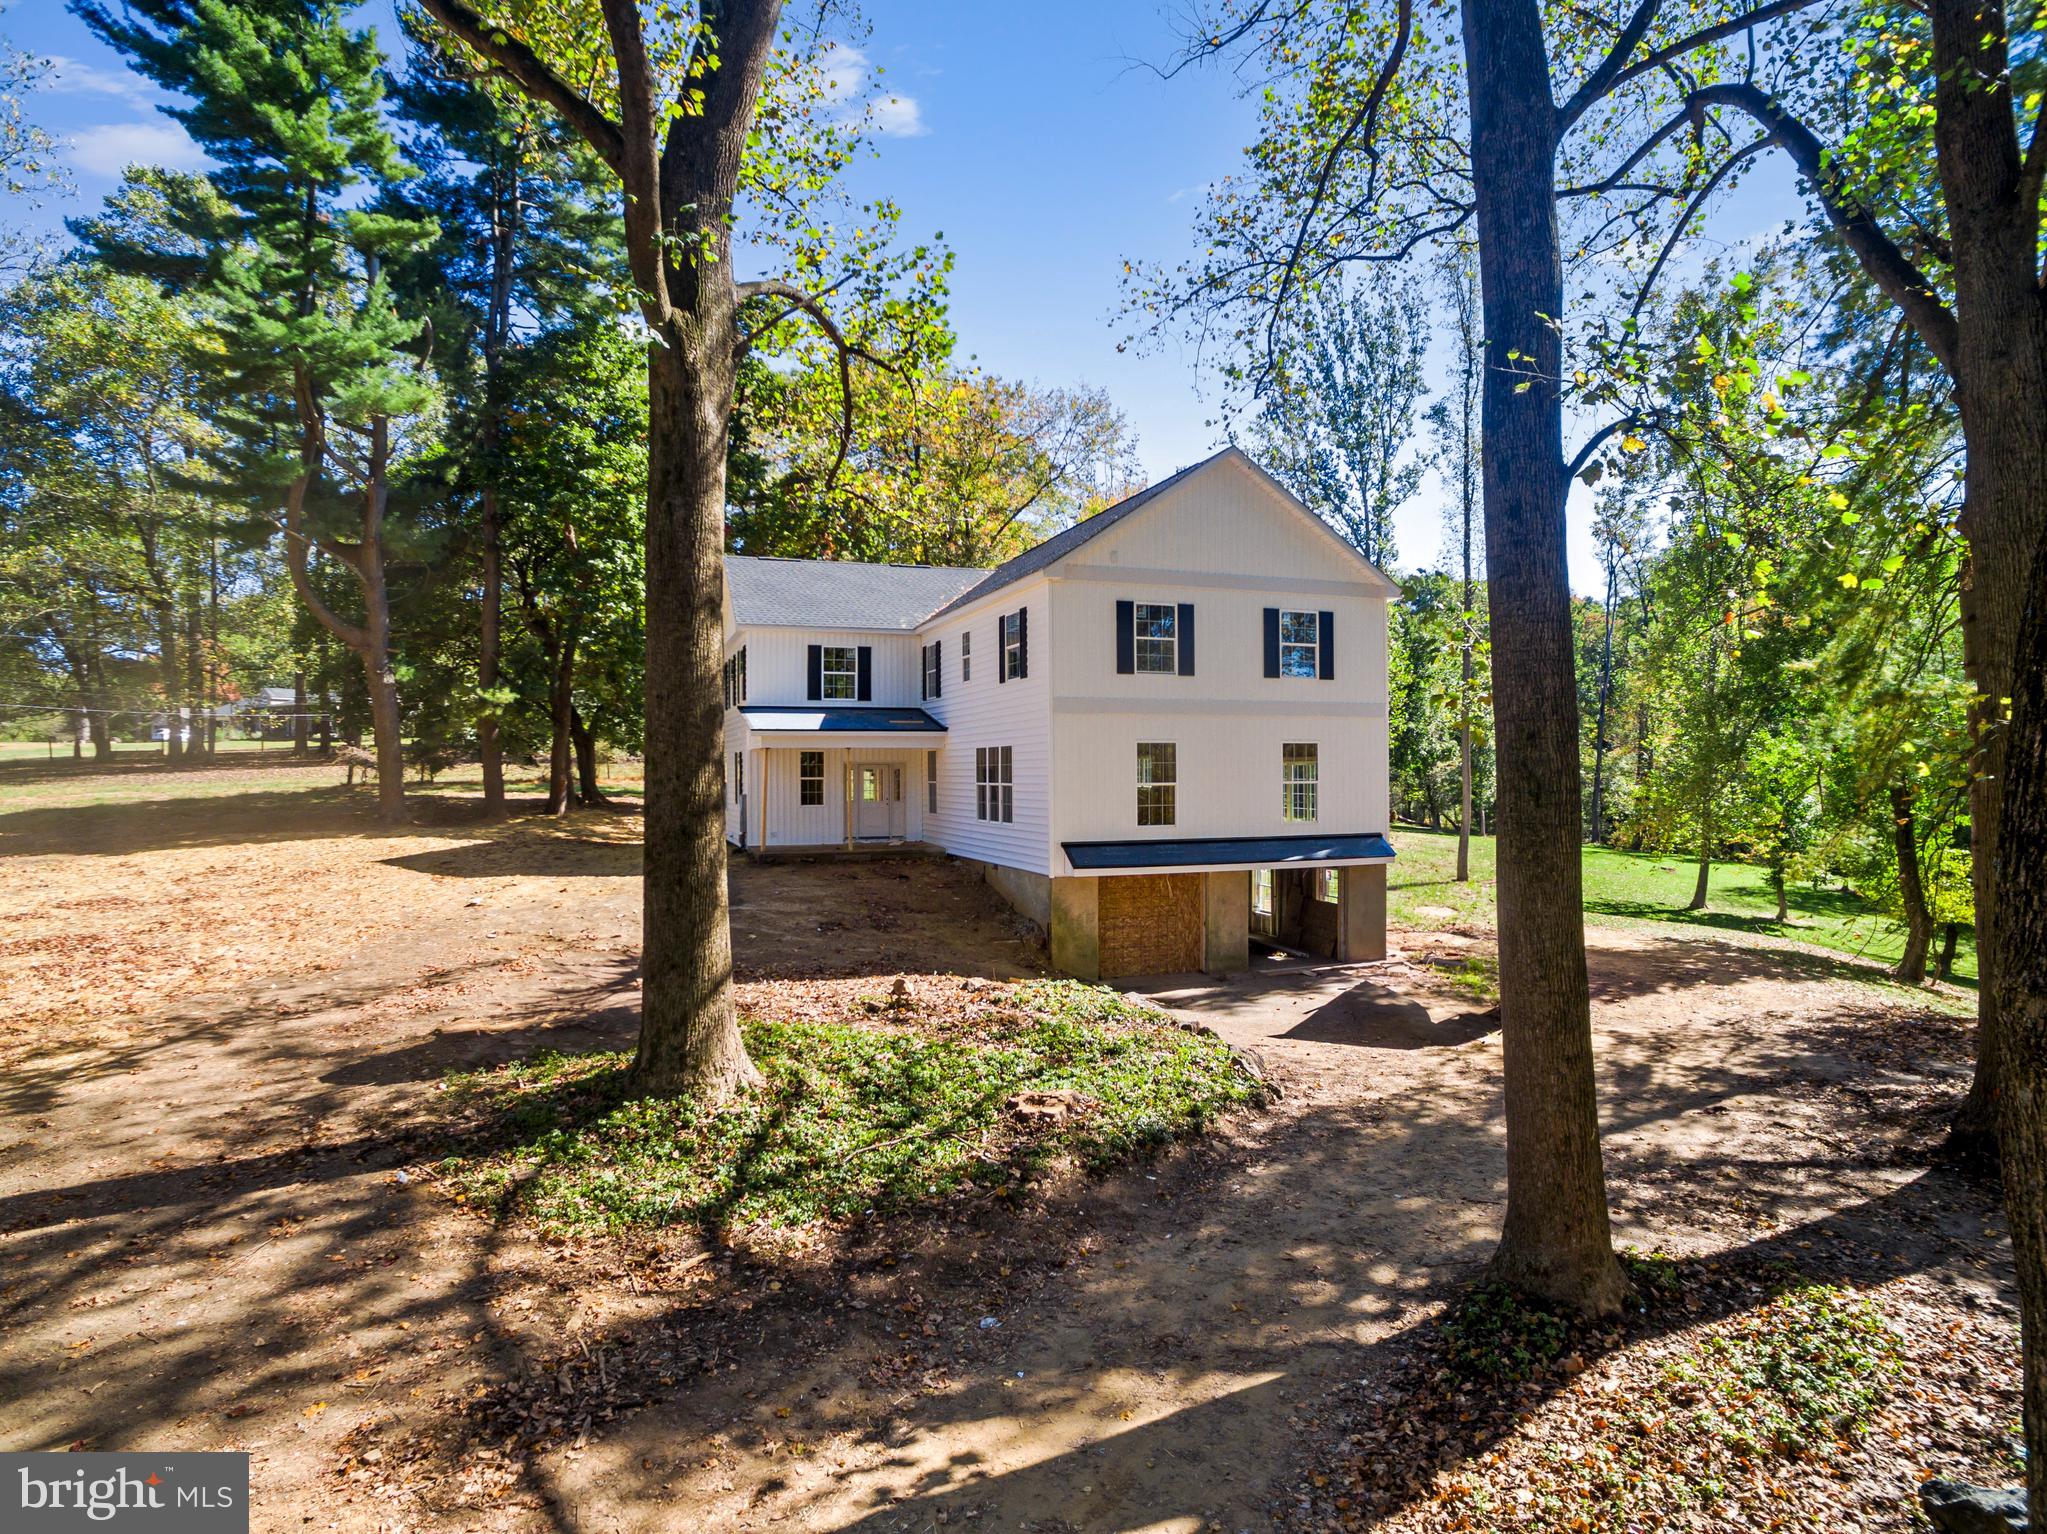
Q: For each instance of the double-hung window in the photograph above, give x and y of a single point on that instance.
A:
(1325, 886)
(1298, 784)
(1300, 644)
(1158, 637)
(931, 781)
(1158, 782)
(1261, 892)
(810, 777)
(840, 673)
(1012, 645)
(931, 678)
(967, 656)
(994, 785)
(738, 777)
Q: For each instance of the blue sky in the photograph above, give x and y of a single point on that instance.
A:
(1032, 137)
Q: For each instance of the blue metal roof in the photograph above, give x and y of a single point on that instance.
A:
(1208, 851)
(815, 718)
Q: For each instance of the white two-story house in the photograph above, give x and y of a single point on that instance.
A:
(1161, 732)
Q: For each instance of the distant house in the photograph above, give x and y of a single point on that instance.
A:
(1160, 732)
(268, 713)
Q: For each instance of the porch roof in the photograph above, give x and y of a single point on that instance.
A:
(848, 725)
(1222, 852)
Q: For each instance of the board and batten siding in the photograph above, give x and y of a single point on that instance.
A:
(985, 712)
(1227, 544)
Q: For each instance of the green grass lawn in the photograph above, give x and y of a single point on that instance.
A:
(1626, 887)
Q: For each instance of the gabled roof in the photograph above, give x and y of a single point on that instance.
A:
(838, 594)
(1060, 544)
(830, 593)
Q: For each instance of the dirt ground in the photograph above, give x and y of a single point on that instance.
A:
(229, 1014)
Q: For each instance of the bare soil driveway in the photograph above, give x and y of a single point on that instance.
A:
(218, 1227)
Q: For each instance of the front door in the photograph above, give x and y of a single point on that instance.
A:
(877, 801)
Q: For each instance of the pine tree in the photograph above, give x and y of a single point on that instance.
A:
(324, 401)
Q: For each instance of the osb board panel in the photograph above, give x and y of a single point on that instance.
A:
(1150, 924)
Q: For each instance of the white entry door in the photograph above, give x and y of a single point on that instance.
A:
(877, 801)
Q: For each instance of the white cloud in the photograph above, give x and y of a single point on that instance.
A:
(848, 74)
(899, 117)
(75, 77)
(111, 148)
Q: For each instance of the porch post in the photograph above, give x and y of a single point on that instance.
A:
(761, 776)
(846, 773)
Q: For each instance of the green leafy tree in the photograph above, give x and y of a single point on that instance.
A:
(329, 403)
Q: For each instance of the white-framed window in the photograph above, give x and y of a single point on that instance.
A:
(839, 673)
(810, 777)
(1325, 885)
(738, 776)
(1158, 636)
(735, 678)
(1300, 645)
(994, 784)
(1012, 645)
(931, 781)
(1261, 891)
(967, 656)
(931, 671)
(1299, 775)
(1158, 782)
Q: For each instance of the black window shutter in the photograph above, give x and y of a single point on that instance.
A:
(1186, 629)
(1126, 638)
(937, 667)
(816, 672)
(1023, 641)
(924, 672)
(1272, 641)
(866, 684)
(1001, 649)
(1325, 630)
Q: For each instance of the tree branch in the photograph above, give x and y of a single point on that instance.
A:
(498, 45)
(798, 300)
(1601, 79)
(1593, 444)
(1713, 34)
(1887, 265)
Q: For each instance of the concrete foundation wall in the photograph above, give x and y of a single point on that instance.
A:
(1226, 909)
(1030, 894)
(1076, 927)
(1361, 912)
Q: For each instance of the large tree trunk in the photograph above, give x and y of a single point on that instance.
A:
(1911, 964)
(689, 1029)
(2020, 889)
(1556, 1241)
(1950, 936)
(2001, 344)
(505, 225)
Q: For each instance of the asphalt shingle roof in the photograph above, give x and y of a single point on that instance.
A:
(839, 594)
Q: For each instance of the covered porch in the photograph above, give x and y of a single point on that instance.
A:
(832, 779)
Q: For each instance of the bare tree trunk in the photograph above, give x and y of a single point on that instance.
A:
(505, 225)
(561, 692)
(2020, 891)
(2001, 342)
(1556, 1241)
(299, 731)
(1699, 890)
(1911, 964)
(587, 788)
(689, 1032)
(1950, 936)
